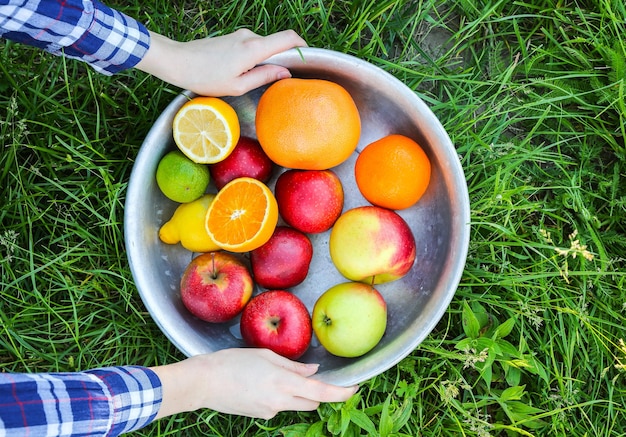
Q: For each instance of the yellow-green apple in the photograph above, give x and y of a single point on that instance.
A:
(309, 200)
(282, 262)
(246, 159)
(372, 245)
(277, 320)
(349, 319)
(216, 286)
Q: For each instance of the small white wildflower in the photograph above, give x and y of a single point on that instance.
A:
(13, 106)
(532, 314)
(545, 235)
(449, 391)
(8, 240)
(22, 129)
(472, 357)
(479, 424)
(575, 248)
(34, 170)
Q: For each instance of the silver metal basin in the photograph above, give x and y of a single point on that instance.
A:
(439, 221)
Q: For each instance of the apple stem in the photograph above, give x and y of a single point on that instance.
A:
(213, 271)
(327, 321)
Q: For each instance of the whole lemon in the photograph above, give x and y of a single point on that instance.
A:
(181, 179)
(187, 226)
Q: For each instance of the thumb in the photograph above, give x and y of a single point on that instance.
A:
(262, 75)
(302, 369)
(306, 369)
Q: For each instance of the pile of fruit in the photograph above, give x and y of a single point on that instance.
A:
(304, 128)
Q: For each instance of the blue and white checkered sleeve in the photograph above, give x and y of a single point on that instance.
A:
(102, 402)
(136, 395)
(88, 30)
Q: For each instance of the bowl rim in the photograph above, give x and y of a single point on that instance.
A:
(455, 176)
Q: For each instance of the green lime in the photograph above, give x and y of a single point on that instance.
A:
(181, 179)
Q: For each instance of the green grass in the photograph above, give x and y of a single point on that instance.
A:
(533, 96)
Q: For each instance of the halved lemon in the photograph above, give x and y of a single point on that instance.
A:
(206, 129)
(243, 215)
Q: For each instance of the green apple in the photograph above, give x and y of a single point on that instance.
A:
(349, 319)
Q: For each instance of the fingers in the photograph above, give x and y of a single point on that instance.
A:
(253, 50)
(275, 43)
(322, 392)
(261, 48)
(303, 394)
(307, 388)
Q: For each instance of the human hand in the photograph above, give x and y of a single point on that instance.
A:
(220, 66)
(246, 382)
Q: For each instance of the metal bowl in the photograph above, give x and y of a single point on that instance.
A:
(439, 221)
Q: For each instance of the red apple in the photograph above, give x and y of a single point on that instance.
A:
(279, 321)
(246, 159)
(372, 245)
(216, 286)
(309, 200)
(282, 262)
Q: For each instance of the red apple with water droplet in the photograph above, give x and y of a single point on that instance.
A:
(246, 160)
(309, 200)
(277, 320)
(216, 286)
(282, 262)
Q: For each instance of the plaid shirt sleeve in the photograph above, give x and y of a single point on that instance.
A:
(87, 30)
(101, 402)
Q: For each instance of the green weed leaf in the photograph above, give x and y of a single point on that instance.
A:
(505, 328)
(513, 375)
(299, 429)
(513, 393)
(538, 368)
(334, 423)
(315, 430)
(507, 349)
(361, 419)
(386, 425)
(471, 326)
(522, 414)
(353, 402)
(402, 415)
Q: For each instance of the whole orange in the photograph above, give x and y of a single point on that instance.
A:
(393, 172)
(307, 124)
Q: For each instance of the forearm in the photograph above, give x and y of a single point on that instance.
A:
(165, 59)
(101, 402)
(90, 31)
(183, 385)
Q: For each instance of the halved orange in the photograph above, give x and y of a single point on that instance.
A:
(206, 129)
(242, 216)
